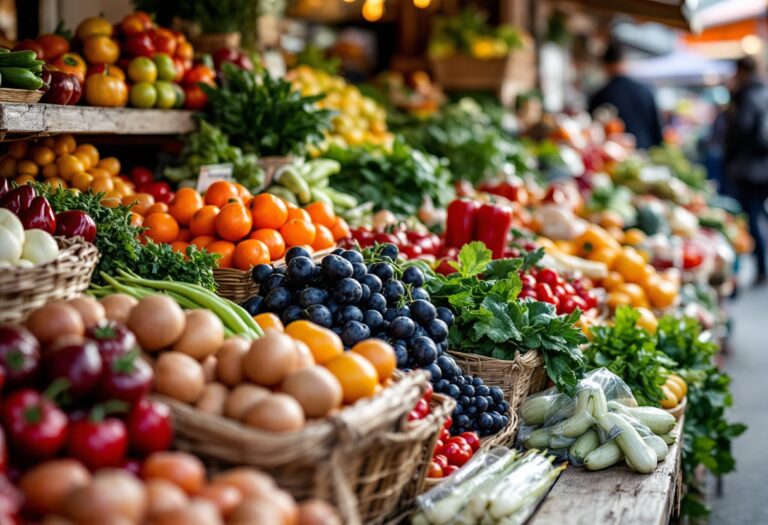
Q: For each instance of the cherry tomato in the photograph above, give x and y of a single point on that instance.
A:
(413, 415)
(472, 440)
(445, 435)
(411, 251)
(544, 293)
(428, 393)
(98, 444)
(457, 454)
(450, 469)
(439, 444)
(549, 276)
(386, 238)
(527, 293)
(441, 460)
(194, 97)
(435, 470)
(528, 280)
(161, 191)
(590, 299)
(448, 424)
(458, 440)
(422, 407)
(149, 427)
(141, 176)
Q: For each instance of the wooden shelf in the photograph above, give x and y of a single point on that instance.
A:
(25, 120)
(616, 496)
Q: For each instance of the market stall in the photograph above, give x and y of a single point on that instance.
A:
(312, 302)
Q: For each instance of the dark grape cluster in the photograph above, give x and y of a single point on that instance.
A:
(358, 300)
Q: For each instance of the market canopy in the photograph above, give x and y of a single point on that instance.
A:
(670, 12)
(682, 66)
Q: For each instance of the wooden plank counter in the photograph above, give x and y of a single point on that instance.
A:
(616, 496)
(20, 120)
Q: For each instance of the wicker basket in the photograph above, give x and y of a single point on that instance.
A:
(22, 96)
(24, 289)
(465, 73)
(679, 410)
(365, 460)
(518, 378)
(212, 42)
(237, 285)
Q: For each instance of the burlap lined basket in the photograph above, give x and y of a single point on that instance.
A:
(679, 410)
(24, 289)
(237, 285)
(518, 378)
(366, 460)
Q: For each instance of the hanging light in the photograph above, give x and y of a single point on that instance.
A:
(422, 4)
(349, 1)
(373, 10)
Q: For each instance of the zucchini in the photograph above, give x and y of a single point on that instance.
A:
(319, 195)
(604, 456)
(657, 420)
(538, 438)
(290, 178)
(658, 445)
(535, 410)
(316, 170)
(342, 200)
(283, 193)
(20, 77)
(639, 454)
(670, 438)
(18, 59)
(588, 442)
(581, 419)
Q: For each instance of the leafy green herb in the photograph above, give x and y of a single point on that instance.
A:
(119, 247)
(491, 322)
(630, 352)
(395, 180)
(265, 115)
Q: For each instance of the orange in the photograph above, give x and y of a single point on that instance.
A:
(41, 155)
(69, 165)
(64, 144)
(202, 241)
(139, 202)
(111, 164)
(82, 181)
(184, 204)
(27, 167)
(381, 355)
(268, 321)
(158, 207)
(323, 343)
(358, 377)
(179, 246)
(298, 213)
(340, 229)
(202, 222)
(242, 191)
(51, 170)
(18, 150)
(88, 150)
(220, 193)
(272, 239)
(268, 211)
(323, 238)
(224, 248)
(249, 253)
(321, 213)
(99, 172)
(297, 232)
(56, 183)
(136, 219)
(102, 184)
(184, 235)
(161, 227)
(233, 222)
(22, 180)
(289, 204)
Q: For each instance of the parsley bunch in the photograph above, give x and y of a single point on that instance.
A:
(491, 321)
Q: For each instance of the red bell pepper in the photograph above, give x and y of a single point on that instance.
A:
(39, 216)
(75, 222)
(492, 225)
(460, 223)
(18, 199)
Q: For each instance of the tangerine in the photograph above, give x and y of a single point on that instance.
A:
(323, 343)
(323, 238)
(272, 239)
(224, 248)
(381, 355)
(203, 221)
(161, 227)
(321, 213)
(296, 232)
(268, 211)
(220, 193)
(249, 253)
(233, 222)
(184, 204)
(357, 375)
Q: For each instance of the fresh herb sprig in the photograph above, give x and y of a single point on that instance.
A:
(491, 321)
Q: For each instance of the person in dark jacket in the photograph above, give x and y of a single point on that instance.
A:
(634, 101)
(746, 150)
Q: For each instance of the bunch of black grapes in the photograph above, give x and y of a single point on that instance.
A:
(376, 295)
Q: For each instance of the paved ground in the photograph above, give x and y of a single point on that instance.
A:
(744, 497)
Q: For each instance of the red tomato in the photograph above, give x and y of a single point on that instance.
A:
(199, 74)
(422, 407)
(435, 470)
(457, 454)
(472, 440)
(413, 415)
(441, 460)
(194, 97)
(161, 191)
(386, 238)
(549, 276)
(141, 176)
(438, 447)
(445, 435)
(41, 436)
(428, 393)
(448, 423)
(149, 426)
(544, 293)
(527, 293)
(98, 444)
(458, 440)
(411, 251)
(450, 469)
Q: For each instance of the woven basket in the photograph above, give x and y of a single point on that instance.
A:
(679, 410)
(212, 42)
(237, 285)
(24, 289)
(364, 460)
(20, 96)
(518, 378)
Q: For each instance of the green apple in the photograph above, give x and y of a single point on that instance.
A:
(166, 94)
(179, 96)
(166, 69)
(142, 69)
(143, 95)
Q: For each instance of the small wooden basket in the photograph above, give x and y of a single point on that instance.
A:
(24, 289)
(212, 42)
(518, 378)
(20, 96)
(366, 460)
(679, 410)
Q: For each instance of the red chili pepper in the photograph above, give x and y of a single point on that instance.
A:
(460, 223)
(39, 215)
(492, 225)
(18, 200)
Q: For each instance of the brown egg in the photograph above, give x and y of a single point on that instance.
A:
(210, 364)
(304, 356)
(117, 307)
(198, 512)
(250, 482)
(162, 496)
(276, 413)
(53, 320)
(317, 512)
(179, 376)
(225, 497)
(157, 321)
(242, 399)
(46, 485)
(316, 389)
(229, 365)
(257, 511)
(270, 358)
(213, 399)
(112, 492)
(90, 310)
(203, 334)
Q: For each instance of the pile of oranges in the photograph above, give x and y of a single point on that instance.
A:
(245, 230)
(62, 163)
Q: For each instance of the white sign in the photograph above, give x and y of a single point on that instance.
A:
(211, 173)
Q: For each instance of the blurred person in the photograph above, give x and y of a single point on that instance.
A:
(746, 150)
(635, 103)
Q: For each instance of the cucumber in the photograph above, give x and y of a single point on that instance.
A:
(319, 195)
(291, 179)
(20, 77)
(342, 200)
(318, 169)
(18, 59)
(588, 442)
(283, 193)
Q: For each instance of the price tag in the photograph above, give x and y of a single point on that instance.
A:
(211, 173)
